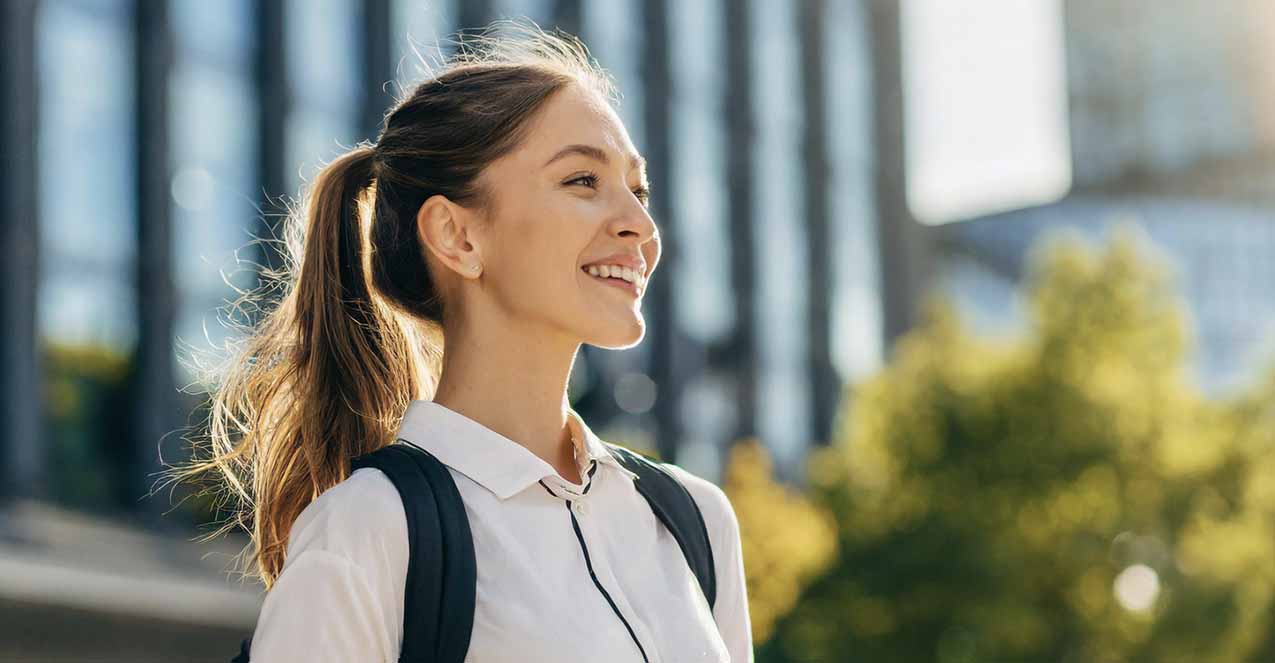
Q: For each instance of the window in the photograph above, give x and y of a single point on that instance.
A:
(782, 277)
(214, 189)
(325, 81)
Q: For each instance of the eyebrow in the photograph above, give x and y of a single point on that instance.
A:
(637, 161)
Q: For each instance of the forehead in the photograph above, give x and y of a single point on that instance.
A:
(574, 115)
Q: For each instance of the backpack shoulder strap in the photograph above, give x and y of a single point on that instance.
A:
(675, 507)
(438, 610)
(441, 567)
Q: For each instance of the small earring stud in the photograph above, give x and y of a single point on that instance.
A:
(473, 268)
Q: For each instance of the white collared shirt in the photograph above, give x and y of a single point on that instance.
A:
(340, 594)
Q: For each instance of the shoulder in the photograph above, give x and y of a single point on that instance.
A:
(340, 593)
(719, 514)
(730, 606)
(360, 519)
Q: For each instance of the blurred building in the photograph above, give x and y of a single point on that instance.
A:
(1171, 132)
(1219, 256)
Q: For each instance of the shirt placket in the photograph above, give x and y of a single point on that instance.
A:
(581, 512)
(602, 569)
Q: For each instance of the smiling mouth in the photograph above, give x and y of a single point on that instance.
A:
(614, 282)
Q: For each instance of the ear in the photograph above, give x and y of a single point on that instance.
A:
(449, 232)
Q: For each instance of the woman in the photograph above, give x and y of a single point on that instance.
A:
(503, 210)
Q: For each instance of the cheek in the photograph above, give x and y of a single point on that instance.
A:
(538, 261)
(540, 274)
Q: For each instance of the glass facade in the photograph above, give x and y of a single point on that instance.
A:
(223, 140)
(703, 302)
(417, 29)
(612, 32)
(87, 162)
(783, 286)
(857, 344)
(324, 87)
(1162, 91)
(213, 144)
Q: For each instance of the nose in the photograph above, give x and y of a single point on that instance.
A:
(636, 223)
(637, 227)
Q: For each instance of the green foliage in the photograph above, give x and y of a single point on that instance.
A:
(1065, 496)
(84, 387)
(786, 539)
(93, 448)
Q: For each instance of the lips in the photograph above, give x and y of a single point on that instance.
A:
(614, 282)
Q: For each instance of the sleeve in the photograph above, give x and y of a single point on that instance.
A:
(730, 610)
(339, 596)
(320, 609)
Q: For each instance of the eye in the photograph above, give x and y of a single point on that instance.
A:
(643, 192)
(591, 178)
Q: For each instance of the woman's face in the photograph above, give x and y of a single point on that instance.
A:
(570, 196)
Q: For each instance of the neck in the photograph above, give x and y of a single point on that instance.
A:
(515, 385)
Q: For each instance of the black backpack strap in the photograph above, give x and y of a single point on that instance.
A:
(675, 507)
(438, 603)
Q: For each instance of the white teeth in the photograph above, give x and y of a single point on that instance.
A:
(618, 272)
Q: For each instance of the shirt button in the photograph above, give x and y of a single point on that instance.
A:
(579, 507)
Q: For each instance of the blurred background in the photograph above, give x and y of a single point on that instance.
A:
(967, 305)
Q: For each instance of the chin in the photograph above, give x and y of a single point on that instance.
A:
(619, 338)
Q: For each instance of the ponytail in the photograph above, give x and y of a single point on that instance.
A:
(327, 375)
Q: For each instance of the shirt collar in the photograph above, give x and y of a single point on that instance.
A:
(494, 461)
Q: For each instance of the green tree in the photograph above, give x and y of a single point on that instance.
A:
(786, 539)
(1066, 495)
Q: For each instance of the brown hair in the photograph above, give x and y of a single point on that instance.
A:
(357, 333)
